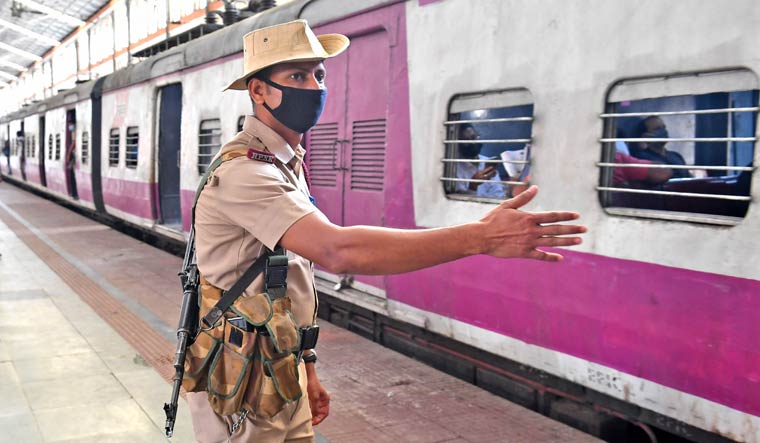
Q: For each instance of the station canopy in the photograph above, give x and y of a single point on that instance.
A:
(29, 29)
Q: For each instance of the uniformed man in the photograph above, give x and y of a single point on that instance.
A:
(261, 201)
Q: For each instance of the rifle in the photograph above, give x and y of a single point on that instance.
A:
(187, 329)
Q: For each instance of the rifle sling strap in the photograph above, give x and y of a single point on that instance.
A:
(228, 297)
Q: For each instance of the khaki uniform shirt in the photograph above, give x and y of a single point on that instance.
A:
(249, 205)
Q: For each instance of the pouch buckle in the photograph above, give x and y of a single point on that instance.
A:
(309, 336)
(276, 276)
(241, 323)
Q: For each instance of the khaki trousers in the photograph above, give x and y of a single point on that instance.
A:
(291, 425)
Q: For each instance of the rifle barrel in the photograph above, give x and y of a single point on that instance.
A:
(186, 330)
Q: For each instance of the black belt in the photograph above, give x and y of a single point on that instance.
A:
(309, 335)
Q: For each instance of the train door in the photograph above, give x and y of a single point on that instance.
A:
(41, 154)
(21, 150)
(347, 149)
(169, 130)
(7, 148)
(70, 156)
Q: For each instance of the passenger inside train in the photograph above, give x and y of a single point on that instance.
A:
(495, 130)
(653, 127)
(476, 171)
(705, 138)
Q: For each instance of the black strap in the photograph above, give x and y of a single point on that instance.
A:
(229, 297)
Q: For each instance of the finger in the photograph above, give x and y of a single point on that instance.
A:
(319, 415)
(561, 229)
(537, 254)
(520, 199)
(554, 216)
(558, 241)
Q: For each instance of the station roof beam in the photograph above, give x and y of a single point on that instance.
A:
(20, 52)
(60, 16)
(22, 30)
(8, 76)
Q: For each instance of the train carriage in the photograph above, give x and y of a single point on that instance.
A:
(652, 319)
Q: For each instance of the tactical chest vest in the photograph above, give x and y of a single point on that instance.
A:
(247, 352)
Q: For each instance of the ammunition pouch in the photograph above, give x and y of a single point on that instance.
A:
(230, 371)
(197, 361)
(249, 360)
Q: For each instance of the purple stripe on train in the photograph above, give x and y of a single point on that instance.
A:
(128, 196)
(691, 331)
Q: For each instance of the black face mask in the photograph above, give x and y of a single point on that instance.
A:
(657, 133)
(470, 150)
(299, 109)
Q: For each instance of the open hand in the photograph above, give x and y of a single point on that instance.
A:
(511, 233)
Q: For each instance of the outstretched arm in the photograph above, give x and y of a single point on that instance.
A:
(504, 232)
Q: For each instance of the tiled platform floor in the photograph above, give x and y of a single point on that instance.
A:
(66, 375)
(69, 377)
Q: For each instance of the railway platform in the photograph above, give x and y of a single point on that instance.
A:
(87, 318)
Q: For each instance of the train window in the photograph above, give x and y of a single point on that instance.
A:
(130, 153)
(58, 146)
(241, 121)
(209, 142)
(113, 147)
(50, 147)
(488, 142)
(85, 147)
(687, 143)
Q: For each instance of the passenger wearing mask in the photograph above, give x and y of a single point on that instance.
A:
(476, 170)
(654, 127)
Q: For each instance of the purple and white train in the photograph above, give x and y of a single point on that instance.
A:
(655, 319)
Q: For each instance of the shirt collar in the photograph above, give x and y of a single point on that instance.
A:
(272, 140)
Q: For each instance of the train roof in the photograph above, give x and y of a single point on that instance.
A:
(224, 42)
(229, 40)
(80, 92)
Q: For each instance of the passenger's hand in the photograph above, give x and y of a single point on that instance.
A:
(486, 173)
(319, 400)
(510, 233)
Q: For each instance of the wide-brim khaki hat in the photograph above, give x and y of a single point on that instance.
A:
(288, 42)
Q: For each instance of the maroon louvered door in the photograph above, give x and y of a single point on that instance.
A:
(323, 156)
(346, 150)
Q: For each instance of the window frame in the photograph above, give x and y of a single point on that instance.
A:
(681, 85)
(486, 100)
(128, 162)
(114, 134)
(215, 131)
(84, 148)
(57, 146)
